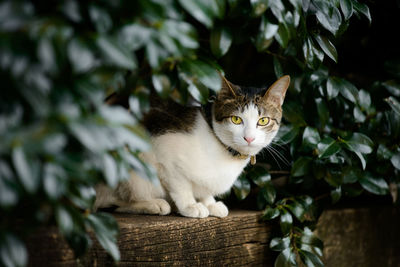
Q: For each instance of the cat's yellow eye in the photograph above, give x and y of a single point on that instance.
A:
(263, 121)
(236, 120)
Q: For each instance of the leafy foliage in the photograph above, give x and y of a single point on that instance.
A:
(59, 61)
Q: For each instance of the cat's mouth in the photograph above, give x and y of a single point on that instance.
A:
(248, 149)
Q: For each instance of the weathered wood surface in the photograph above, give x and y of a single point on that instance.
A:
(238, 240)
(367, 237)
(361, 237)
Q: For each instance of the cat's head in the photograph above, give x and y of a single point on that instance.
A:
(247, 119)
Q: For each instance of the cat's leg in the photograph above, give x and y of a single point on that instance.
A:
(140, 196)
(181, 192)
(151, 206)
(216, 209)
(187, 205)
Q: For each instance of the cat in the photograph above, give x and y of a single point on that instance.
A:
(200, 151)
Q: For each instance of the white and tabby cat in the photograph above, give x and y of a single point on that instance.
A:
(200, 151)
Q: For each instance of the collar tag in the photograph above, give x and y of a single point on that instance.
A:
(253, 160)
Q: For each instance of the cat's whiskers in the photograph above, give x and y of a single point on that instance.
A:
(280, 155)
(274, 152)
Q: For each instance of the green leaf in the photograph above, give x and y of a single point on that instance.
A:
(328, 147)
(270, 213)
(364, 99)
(26, 174)
(287, 258)
(395, 160)
(54, 180)
(310, 259)
(268, 192)
(393, 87)
(287, 133)
(283, 35)
(328, 48)
(200, 10)
(301, 166)
(332, 87)
(198, 91)
(361, 143)
(312, 55)
(277, 8)
(359, 116)
(161, 83)
(322, 109)
(220, 41)
(101, 19)
(13, 251)
(8, 193)
(184, 33)
(106, 229)
(46, 55)
(277, 68)
(279, 244)
(311, 136)
(80, 56)
(363, 9)
(298, 210)
(71, 10)
(286, 221)
(309, 238)
(260, 176)
(259, 6)
(83, 197)
(336, 194)
(394, 104)
(116, 115)
(348, 90)
(134, 36)
(266, 33)
(90, 136)
(116, 54)
(362, 159)
(376, 186)
(383, 152)
(110, 170)
(328, 15)
(347, 8)
(79, 242)
(64, 220)
(204, 72)
(293, 112)
(241, 187)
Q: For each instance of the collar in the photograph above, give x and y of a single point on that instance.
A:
(207, 112)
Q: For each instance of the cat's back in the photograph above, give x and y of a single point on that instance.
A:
(169, 117)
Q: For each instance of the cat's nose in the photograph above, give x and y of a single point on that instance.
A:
(249, 139)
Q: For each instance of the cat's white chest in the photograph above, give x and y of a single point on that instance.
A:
(200, 158)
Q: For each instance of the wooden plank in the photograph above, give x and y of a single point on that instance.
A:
(237, 240)
(352, 237)
(366, 237)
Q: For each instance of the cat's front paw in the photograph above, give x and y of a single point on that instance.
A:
(218, 209)
(197, 210)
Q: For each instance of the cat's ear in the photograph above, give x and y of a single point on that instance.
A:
(277, 91)
(228, 87)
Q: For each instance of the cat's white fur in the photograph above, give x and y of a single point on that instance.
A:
(193, 167)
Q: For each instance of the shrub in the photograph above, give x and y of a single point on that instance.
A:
(60, 60)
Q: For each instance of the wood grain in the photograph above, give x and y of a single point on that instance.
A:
(367, 237)
(237, 240)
